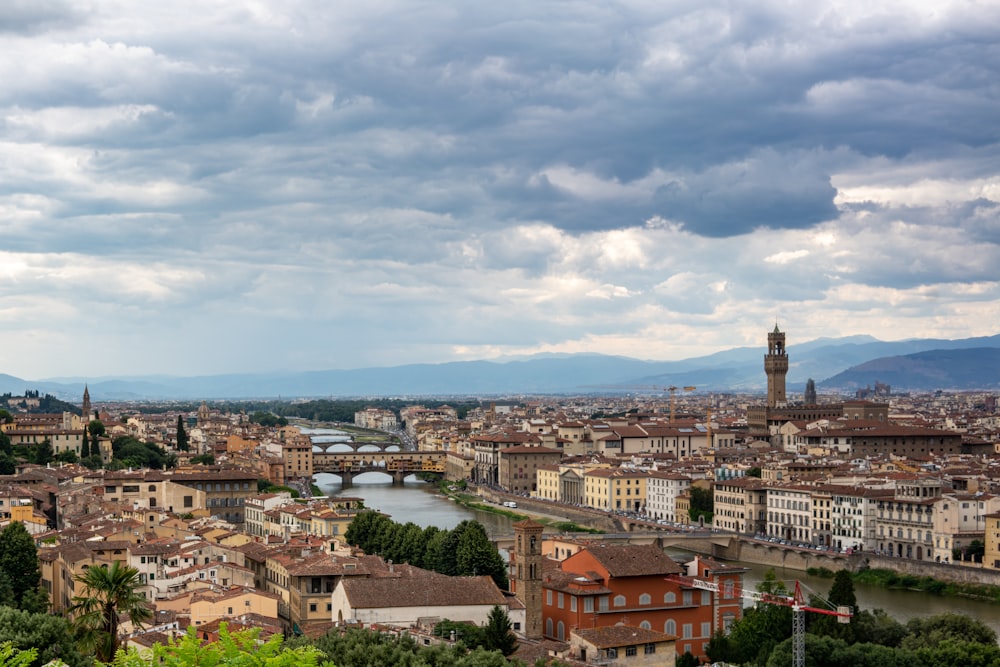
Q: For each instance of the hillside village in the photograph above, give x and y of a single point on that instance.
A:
(224, 540)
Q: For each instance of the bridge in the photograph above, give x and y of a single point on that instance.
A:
(325, 446)
(396, 464)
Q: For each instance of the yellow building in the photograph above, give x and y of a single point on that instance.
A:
(991, 556)
(615, 489)
(298, 456)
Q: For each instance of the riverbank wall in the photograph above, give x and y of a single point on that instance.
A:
(779, 556)
(578, 515)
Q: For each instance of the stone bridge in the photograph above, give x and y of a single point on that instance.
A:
(395, 464)
(325, 446)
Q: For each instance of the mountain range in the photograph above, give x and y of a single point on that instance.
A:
(836, 364)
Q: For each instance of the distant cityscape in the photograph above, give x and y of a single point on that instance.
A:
(217, 509)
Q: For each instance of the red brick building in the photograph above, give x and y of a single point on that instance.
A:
(603, 585)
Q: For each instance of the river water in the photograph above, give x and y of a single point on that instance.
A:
(419, 502)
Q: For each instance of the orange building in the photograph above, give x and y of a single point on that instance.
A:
(603, 585)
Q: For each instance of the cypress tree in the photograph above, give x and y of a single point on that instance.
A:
(182, 436)
(85, 445)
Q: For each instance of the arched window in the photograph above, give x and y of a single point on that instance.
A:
(669, 598)
(619, 600)
(645, 625)
(548, 627)
(670, 627)
(560, 631)
(645, 598)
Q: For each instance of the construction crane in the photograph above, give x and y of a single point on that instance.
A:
(795, 601)
(630, 387)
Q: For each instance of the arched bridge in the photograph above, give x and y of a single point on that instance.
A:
(325, 446)
(396, 464)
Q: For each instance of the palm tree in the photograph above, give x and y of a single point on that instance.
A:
(108, 593)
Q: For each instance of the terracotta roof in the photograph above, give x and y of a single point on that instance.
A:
(432, 590)
(633, 560)
(621, 635)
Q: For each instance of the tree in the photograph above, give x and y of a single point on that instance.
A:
(687, 659)
(108, 593)
(497, 635)
(43, 454)
(85, 445)
(96, 429)
(19, 565)
(52, 636)
(930, 631)
(478, 556)
(182, 436)
(238, 649)
(702, 501)
(841, 595)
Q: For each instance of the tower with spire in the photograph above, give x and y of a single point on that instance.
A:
(85, 412)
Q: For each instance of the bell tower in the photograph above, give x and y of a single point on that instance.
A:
(85, 413)
(776, 367)
(526, 574)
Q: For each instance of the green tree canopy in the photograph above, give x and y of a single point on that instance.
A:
(52, 636)
(96, 429)
(19, 567)
(497, 635)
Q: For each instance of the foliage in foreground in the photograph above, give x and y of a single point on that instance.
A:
(238, 649)
(363, 648)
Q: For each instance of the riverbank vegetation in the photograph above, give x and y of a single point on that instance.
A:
(763, 637)
(901, 581)
(456, 491)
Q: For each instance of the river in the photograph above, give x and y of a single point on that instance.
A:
(419, 502)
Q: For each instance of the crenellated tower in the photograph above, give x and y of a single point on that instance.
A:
(776, 367)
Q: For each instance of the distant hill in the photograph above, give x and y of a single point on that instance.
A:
(974, 368)
(737, 369)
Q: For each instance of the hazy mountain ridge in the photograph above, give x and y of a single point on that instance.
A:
(834, 363)
(972, 368)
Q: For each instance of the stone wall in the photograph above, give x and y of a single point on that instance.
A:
(953, 572)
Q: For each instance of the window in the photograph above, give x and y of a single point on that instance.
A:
(670, 627)
(688, 598)
(229, 611)
(572, 603)
(631, 650)
(560, 600)
(612, 653)
(646, 625)
(312, 606)
(706, 629)
(603, 603)
(548, 627)
(706, 598)
(688, 630)
(588, 605)
(619, 600)
(188, 501)
(649, 649)
(645, 598)
(669, 598)
(548, 597)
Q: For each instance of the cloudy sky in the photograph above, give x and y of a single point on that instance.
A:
(195, 187)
